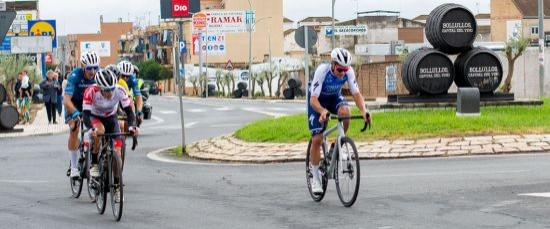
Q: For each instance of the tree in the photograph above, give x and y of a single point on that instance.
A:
(229, 82)
(219, 82)
(194, 79)
(514, 49)
(261, 79)
(165, 73)
(150, 70)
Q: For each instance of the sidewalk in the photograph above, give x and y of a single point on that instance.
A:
(228, 148)
(39, 127)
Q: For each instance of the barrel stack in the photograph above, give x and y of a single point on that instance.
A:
(451, 29)
(241, 90)
(294, 89)
(8, 113)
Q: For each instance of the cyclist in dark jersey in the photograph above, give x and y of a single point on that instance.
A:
(79, 79)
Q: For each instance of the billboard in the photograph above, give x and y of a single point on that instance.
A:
(178, 8)
(31, 44)
(20, 24)
(43, 28)
(214, 43)
(102, 48)
(228, 21)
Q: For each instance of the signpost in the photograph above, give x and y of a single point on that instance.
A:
(351, 30)
(6, 18)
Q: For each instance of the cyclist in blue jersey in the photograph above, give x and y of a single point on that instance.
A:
(78, 80)
(127, 72)
(325, 97)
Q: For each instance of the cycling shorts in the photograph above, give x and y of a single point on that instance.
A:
(332, 104)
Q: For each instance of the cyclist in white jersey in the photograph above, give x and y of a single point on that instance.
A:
(100, 106)
(325, 97)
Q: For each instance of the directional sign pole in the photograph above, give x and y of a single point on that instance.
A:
(181, 86)
(306, 61)
(6, 18)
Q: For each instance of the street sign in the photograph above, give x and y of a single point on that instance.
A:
(178, 8)
(6, 18)
(353, 30)
(299, 36)
(199, 22)
(182, 47)
(328, 31)
(229, 65)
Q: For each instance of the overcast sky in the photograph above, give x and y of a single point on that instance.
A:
(82, 16)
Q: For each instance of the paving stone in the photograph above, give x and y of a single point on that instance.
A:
(446, 148)
(435, 145)
(429, 141)
(401, 150)
(479, 138)
(459, 143)
(531, 149)
(538, 144)
(491, 146)
(381, 150)
(515, 145)
(433, 153)
(497, 137)
(387, 155)
(505, 140)
(457, 152)
(506, 150)
(399, 142)
(482, 151)
(447, 140)
(481, 142)
(421, 150)
(470, 147)
(379, 143)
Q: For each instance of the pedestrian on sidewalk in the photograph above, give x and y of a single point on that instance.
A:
(25, 94)
(161, 87)
(50, 86)
(64, 85)
(16, 92)
(59, 79)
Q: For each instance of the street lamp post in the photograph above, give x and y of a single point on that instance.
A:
(541, 47)
(332, 37)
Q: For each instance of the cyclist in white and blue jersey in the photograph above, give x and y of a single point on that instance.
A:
(325, 97)
(79, 79)
(128, 73)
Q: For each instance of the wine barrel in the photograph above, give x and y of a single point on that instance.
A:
(288, 93)
(299, 92)
(242, 85)
(8, 116)
(479, 67)
(237, 94)
(294, 83)
(3, 94)
(427, 71)
(245, 93)
(451, 28)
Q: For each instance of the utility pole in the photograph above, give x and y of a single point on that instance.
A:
(181, 63)
(332, 37)
(541, 48)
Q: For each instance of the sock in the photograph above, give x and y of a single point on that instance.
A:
(315, 171)
(73, 155)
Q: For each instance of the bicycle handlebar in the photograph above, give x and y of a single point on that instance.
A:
(342, 118)
(128, 134)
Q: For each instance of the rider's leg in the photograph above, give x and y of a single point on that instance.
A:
(73, 143)
(344, 111)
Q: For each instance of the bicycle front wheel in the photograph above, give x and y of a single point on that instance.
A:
(309, 174)
(116, 186)
(347, 175)
(90, 183)
(76, 184)
(101, 185)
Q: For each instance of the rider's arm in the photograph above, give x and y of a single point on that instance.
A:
(127, 106)
(87, 104)
(133, 84)
(86, 115)
(69, 90)
(130, 115)
(316, 87)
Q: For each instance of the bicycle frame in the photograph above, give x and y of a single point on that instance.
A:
(340, 128)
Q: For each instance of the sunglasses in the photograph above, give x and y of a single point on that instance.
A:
(342, 69)
(109, 89)
(94, 68)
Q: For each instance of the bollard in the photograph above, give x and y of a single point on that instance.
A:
(467, 101)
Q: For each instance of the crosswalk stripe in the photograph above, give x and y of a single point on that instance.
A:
(540, 194)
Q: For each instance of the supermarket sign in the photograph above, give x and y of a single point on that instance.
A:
(229, 21)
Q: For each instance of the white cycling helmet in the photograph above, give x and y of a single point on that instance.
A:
(105, 79)
(125, 68)
(89, 59)
(341, 56)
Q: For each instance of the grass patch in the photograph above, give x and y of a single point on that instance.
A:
(178, 151)
(412, 124)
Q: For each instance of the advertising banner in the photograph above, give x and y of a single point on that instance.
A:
(214, 43)
(228, 21)
(43, 28)
(102, 48)
(20, 24)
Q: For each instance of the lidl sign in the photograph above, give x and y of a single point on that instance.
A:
(43, 28)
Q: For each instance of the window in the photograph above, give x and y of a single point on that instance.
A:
(534, 30)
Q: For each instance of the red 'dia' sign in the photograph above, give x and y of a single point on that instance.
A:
(180, 8)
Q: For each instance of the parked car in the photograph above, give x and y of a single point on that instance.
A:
(150, 86)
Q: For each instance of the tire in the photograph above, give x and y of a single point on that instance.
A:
(101, 185)
(76, 184)
(91, 188)
(309, 176)
(114, 167)
(347, 173)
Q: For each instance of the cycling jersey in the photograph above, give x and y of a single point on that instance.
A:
(326, 84)
(133, 85)
(76, 85)
(104, 107)
(326, 87)
(123, 84)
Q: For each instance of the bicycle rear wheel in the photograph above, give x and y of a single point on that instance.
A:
(115, 167)
(101, 186)
(309, 175)
(89, 183)
(347, 175)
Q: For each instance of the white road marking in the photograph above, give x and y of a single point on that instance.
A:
(24, 181)
(157, 121)
(196, 110)
(442, 173)
(167, 112)
(191, 124)
(155, 155)
(226, 125)
(174, 127)
(258, 110)
(541, 194)
(224, 108)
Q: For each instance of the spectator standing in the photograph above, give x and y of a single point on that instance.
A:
(50, 86)
(16, 92)
(25, 95)
(59, 79)
(161, 87)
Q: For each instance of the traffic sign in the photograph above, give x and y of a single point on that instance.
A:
(6, 18)
(300, 35)
(328, 31)
(229, 65)
(199, 22)
(182, 47)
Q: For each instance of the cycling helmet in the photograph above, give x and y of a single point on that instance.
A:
(113, 68)
(89, 59)
(341, 56)
(105, 79)
(125, 68)
(136, 70)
